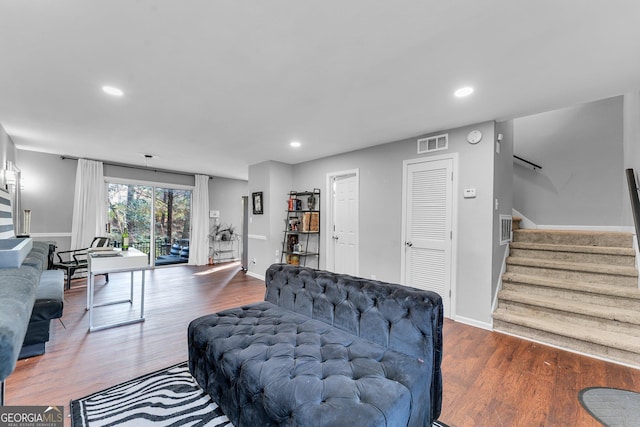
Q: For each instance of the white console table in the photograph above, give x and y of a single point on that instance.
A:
(125, 261)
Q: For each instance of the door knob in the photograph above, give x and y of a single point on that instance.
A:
(409, 244)
(335, 237)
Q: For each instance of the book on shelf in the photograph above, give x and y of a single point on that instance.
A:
(292, 240)
(310, 221)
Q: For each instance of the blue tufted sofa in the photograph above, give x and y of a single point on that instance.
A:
(323, 350)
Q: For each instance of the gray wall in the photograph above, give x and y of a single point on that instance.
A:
(50, 183)
(8, 152)
(145, 175)
(580, 149)
(631, 125)
(503, 190)
(380, 219)
(266, 231)
(225, 195)
(48, 192)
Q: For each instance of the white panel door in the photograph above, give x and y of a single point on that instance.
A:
(428, 225)
(345, 221)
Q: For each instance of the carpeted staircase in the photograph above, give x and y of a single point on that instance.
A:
(573, 289)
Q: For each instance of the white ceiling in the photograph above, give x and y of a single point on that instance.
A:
(213, 86)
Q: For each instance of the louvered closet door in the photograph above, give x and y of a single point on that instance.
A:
(429, 192)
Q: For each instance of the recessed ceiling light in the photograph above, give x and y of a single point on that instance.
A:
(113, 91)
(295, 144)
(463, 91)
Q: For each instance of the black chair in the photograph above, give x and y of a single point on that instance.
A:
(74, 260)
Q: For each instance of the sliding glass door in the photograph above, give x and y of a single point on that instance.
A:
(137, 207)
(172, 225)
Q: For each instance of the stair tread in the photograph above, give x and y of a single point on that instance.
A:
(574, 266)
(572, 306)
(576, 285)
(605, 250)
(578, 237)
(584, 333)
(576, 232)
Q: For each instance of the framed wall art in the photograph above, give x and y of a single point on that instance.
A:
(257, 203)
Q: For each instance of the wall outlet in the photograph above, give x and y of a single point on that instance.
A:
(373, 277)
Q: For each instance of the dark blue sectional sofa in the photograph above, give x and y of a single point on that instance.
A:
(323, 350)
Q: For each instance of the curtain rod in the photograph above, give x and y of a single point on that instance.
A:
(126, 165)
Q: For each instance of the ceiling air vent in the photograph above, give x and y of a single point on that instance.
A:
(433, 143)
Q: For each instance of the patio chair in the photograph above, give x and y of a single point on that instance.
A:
(74, 260)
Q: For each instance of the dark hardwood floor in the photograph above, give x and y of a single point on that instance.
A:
(490, 379)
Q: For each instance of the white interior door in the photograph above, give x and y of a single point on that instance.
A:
(344, 226)
(428, 227)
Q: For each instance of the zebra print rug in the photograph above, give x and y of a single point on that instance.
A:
(169, 397)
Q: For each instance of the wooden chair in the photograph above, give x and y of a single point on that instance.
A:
(74, 260)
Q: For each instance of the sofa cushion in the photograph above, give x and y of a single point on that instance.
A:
(17, 295)
(184, 252)
(267, 365)
(38, 258)
(49, 297)
(18, 290)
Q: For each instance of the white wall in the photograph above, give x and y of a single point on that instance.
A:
(580, 149)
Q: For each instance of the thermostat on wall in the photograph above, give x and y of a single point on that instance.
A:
(469, 193)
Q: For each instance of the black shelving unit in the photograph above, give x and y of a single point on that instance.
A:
(301, 241)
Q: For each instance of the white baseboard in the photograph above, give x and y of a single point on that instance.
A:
(257, 276)
(49, 235)
(472, 322)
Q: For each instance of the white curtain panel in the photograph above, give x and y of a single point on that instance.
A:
(199, 242)
(89, 204)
